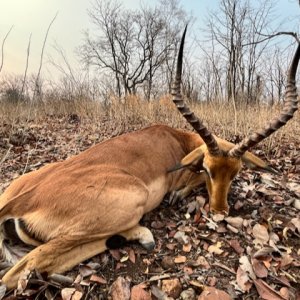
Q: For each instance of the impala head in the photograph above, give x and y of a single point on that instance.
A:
(222, 160)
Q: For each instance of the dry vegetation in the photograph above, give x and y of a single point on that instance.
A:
(193, 251)
(220, 117)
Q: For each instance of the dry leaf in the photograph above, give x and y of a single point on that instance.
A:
(131, 256)
(261, 234)
(187, 248)
(138, 293)
(243, 280)
(266, 292)
(98, 279)
(236, 222)
(211, 293)
(71, 294)
(246, 266)
(216, 248)
(180, 259)
(259, 268)
(236, 246)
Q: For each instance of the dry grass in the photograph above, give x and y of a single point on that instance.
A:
(219, 117)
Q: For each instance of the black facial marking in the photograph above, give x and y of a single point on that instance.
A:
(115, 242)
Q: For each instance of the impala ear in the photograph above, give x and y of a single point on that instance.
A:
(192, 161)
(255, 163)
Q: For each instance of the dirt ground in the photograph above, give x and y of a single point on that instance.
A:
(254, 253)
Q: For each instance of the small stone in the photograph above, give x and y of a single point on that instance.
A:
(188, 294)
(172, 287)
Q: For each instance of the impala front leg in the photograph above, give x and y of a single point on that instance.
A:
(193, 182)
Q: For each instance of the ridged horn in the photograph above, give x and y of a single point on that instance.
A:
(207, 136)
(290, 106)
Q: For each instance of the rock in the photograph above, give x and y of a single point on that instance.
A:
(172, 287)
(138, 293)
(188, 294)
(168, 262)
(120, 289)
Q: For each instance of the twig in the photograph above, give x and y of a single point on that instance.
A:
(26, 67)
(2, 47)
(42, 56)
(217, 264)
(270, 36)
(5, 156)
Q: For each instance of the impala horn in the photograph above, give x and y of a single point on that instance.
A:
(290, 106)
(207, 136)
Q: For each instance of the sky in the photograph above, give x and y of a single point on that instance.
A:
(32, 17)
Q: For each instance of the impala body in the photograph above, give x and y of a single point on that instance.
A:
(75, 209)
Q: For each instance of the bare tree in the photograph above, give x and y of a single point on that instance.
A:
(235, 31)
(132, 44)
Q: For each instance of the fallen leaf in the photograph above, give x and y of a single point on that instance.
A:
(284, 292)
(261, 234)
(211, 293)
(216, 248)
(131, 255)
(243, 280)
(266, 292)
(180, 259)
(236, 246)
(98, 279)
(172, 287)
(246, 266)
(236, 222)
(259, 268)
(138, 293)
(85, 271)
(120, 289)
(181, 237)
(71, 294)
(286, 260)
(187, 248)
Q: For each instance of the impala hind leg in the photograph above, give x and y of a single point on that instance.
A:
(62, 254)
(55, 256)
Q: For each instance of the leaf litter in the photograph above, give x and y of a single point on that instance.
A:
(254, 252)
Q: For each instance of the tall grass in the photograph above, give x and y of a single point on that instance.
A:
(219, 117)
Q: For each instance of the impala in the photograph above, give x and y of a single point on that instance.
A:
(72, 210)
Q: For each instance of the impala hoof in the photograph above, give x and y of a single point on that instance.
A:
(149, 246)
(174, 197)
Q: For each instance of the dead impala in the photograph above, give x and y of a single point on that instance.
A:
(75, 209)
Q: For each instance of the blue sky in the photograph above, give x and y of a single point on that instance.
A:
(33, 17)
